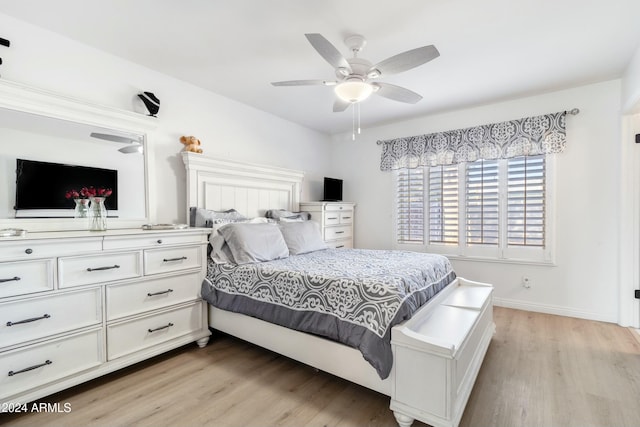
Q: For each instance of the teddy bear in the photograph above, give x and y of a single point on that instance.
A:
(191, 143)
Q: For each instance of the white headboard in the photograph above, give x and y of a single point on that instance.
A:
(249, 188)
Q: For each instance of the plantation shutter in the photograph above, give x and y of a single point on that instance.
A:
(526, 201)
(482, 203)
(443, 204)
(410, 206)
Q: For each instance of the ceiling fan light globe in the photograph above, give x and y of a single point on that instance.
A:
(353, 91)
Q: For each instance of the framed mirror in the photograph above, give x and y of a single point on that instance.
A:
(53, 146)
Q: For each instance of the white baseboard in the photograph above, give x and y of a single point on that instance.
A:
(554, 309)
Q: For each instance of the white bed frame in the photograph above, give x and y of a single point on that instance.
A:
(437, 353)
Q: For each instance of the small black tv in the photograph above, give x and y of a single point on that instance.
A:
(332, 190)
(42, 185)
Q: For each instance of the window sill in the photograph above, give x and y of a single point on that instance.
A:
(501, 260)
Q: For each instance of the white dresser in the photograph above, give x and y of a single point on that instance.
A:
(335, 219)
(77, 305)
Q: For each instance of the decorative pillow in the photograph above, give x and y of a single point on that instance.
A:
(302, 237)
(254, 242)
(220, 251)
(200, 217)
(278, 214)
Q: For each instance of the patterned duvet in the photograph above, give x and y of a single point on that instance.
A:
(353, 296)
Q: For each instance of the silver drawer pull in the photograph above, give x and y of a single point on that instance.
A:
(339, 232)
(333, 218)
(30, 368)
(182, 258)
(161, 328)
(346, 217)
(10, 280)
(339, 246)
(159, 293)
(33, 319)
(111, 267)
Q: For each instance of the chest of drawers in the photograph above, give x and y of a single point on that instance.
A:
(335, 220)
(77, 305)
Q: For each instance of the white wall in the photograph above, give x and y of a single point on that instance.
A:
(227, 129)
(584, 283)
(631, 85)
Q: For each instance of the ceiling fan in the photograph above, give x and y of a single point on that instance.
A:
(356, 77)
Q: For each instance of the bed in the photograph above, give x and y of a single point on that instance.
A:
(434, 349)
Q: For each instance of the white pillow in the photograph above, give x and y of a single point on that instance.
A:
(251, 243)
(302, 237)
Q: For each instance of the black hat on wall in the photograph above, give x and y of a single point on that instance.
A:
(151, 102)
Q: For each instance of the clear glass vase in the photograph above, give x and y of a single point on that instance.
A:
(82, 208)
(97, 214)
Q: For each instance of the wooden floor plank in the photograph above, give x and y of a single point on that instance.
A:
(540, 370)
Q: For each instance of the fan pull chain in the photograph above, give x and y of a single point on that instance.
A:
(358, 118)
(353, 123)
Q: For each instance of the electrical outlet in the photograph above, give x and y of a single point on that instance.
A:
(526, 282)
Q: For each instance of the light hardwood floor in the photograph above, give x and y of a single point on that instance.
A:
(540, 370)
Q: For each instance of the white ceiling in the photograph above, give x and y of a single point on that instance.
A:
(490, 49)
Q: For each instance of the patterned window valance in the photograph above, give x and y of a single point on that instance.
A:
(524, 137)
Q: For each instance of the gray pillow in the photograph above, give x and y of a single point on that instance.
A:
(200, 217)
(277, 214)
(254, 242)
(302, 237)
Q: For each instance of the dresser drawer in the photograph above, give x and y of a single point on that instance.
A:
(26, 277)
(34, 366)
(153, 240)
(33, 318)
(331, 218)
(172, 259)
(128, 337)
(109, 267)
(346, 217)
(332, 233)
(134, 298)
(338, 207)
(341, 244)
(32, 249)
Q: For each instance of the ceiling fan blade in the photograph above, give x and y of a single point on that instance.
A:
(113, 138)
(304, 83)
(404, 61)
(339, 105)
(397, 93)
(328, 51)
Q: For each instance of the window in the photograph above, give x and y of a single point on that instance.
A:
(487, 208)
(481, 213)
(443, 204)
(410, 206)
(526, 201)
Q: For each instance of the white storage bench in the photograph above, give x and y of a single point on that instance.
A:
(438, 354)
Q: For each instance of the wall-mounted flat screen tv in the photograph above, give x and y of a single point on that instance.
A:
(43, 185)
(332, 190)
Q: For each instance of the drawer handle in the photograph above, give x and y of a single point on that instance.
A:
(333, 217)
(10, 280)
(111, 267)
(30, 368)
(28, 251)
(182, 258)
(346, 217)
(161, 328)
(159, 293)
(339, 246)
(33, 319)
(159, 241)
(339, 232)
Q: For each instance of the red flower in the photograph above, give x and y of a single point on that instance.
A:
(86, 192)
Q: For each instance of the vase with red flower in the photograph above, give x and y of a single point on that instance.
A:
(97, 214)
